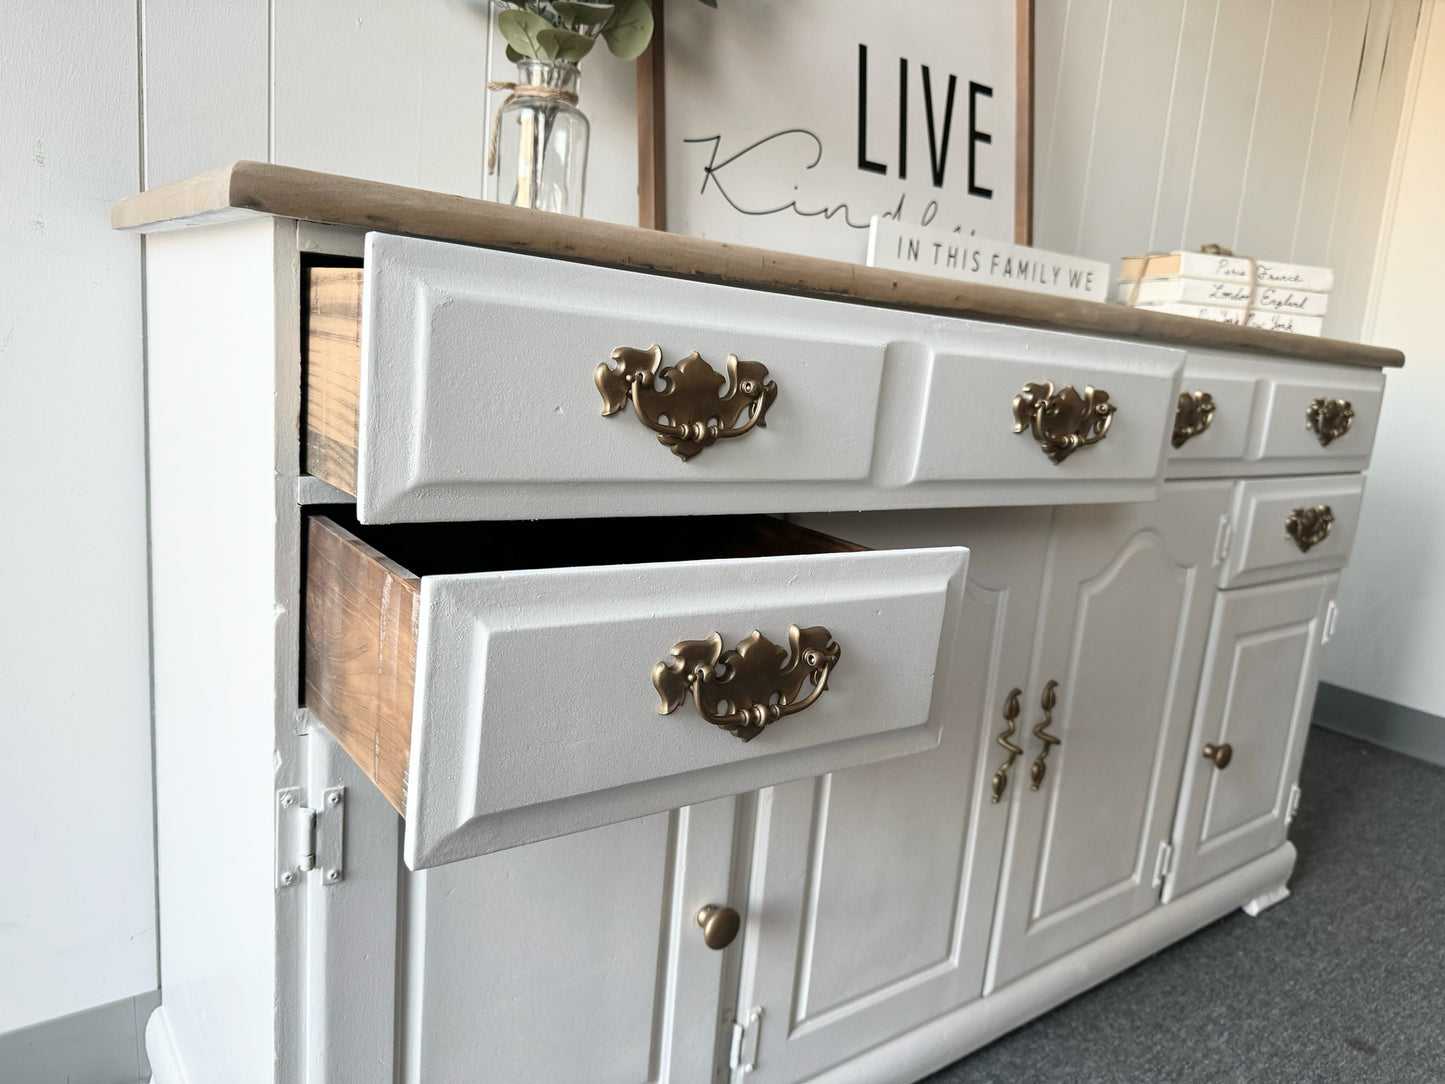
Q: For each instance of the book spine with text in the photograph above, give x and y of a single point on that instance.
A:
(1269, 321)
(1222, 294)
(1202, 265)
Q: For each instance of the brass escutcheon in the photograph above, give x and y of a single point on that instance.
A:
(750, 687)
(1064, 421)
(1196, 411)
(1308, 527)
(1010, 713)
(686, 394)
(1036, 769)
(1329, 418)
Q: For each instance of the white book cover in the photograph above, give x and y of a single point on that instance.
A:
(1268, 321)
(1223, 294)
(899, 247)
(1202, 265)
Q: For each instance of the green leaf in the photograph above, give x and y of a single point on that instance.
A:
(513, 55)
(565, 44)
(629, 30)
(709, 3)
(578, 14)
(522, 30)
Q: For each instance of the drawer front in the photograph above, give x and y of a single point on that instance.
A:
(485, 371)
(1213, 417)
(1289, 527)
(534, 699)
(1288, 427)
(970, 427)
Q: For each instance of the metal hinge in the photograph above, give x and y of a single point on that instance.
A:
(744, 1055)
(1164, 864)
(308, 838)
(1222, 540)
(1293, 808)
(1332, 612)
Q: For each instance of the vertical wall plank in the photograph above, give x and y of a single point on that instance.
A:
(77, 874)
(1057, 192)
(1193, 51)
(1329, 132)
(1051, 21)
(206, 77)
(1280, 136)
(1355, 232)
(1122, 172)
(1230, 99)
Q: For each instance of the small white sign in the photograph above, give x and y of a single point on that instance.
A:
(900, 247)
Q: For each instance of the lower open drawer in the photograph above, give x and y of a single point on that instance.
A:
(500, 692)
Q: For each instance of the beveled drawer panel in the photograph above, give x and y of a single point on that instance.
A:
(1291, 526)
(496, 700)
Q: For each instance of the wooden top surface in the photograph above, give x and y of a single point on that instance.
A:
(245, 188)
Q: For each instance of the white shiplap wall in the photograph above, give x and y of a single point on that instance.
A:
(1267, 126)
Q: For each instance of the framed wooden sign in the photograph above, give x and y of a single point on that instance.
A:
(789, 125)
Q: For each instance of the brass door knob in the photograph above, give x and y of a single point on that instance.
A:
(1220, 754)
(719, 925)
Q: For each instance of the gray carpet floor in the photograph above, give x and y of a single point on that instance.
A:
(1344, 981)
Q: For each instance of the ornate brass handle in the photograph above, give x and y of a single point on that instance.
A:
(1308, 527)
(1065, 421)
(1196, 411)
(697, 417)
(1329, 418)
(1036, 769)
(1220, 754)
(719, 925)
(1010, 713)
(751, 686)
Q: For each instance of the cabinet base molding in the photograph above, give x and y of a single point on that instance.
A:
(934, 1045)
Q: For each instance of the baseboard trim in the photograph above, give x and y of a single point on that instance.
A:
(1405, 730)
(95, 1046)
(929, 1048)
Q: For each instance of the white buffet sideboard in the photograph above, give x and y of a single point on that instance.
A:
(583, 653)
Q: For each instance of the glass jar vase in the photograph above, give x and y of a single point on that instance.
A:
(540, 142)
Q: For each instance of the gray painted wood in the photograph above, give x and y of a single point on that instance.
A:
(103, 1045)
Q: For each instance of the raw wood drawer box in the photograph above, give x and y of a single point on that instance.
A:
(498, 707)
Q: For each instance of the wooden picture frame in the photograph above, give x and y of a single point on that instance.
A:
(652, 124)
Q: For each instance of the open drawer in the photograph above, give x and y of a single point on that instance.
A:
(498, 693)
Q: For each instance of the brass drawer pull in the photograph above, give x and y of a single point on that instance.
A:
(1010, 713)
(1065, 421)
(1329, 418)
(1036, 769)
(1196, 411)
(1220, 754)
(697, 417)
(751, 686)
(1308, 527)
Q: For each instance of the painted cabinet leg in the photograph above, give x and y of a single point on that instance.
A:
(1265, 900)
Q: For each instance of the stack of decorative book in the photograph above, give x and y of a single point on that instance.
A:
(1228, 289)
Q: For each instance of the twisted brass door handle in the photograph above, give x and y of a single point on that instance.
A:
(697, 417)
(1308, 527)
(1329, 418)
(1195, 412)
(1010, 713)
(1036, 769)
(1064, 421)
(749, 687)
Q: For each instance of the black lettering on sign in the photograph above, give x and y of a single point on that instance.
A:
(975, 137)
(863, 161)
(938, 148)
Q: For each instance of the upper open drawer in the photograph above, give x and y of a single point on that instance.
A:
(504, 683)
(450, 383)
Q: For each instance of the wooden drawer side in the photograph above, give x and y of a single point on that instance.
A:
(362, 615)
(333, 373)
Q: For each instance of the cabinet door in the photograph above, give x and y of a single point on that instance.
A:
(1256, 697)
(873, 888)
(1121, 629)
